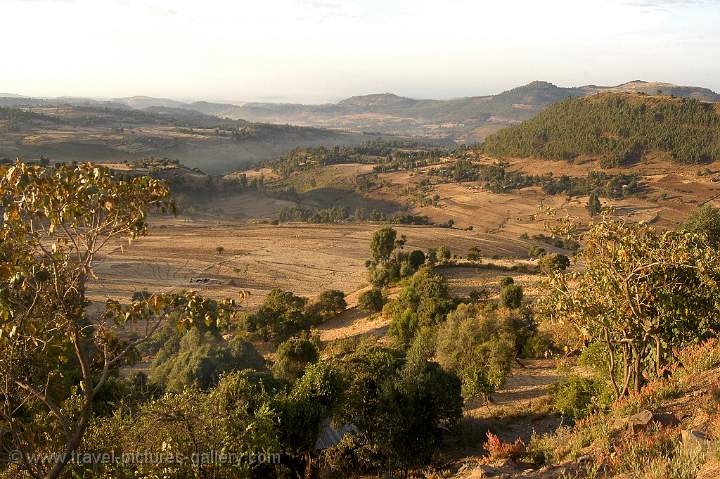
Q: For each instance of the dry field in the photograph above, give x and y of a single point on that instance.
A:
(181, 253)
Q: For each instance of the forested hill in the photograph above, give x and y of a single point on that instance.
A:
(618, 128)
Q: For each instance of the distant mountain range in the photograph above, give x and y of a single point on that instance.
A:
(466, 119)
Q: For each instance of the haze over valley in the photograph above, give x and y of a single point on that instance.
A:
(452, 239)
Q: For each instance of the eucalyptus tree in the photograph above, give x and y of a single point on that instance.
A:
(55, 354)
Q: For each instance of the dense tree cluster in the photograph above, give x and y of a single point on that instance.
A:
(386, 155)
(283, 314)
(617, 128)
(498, 178)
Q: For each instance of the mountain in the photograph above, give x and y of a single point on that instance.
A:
(618, 128)
(657, 88)
(75, 130)
(467, 119)
(143, 102)
(464, 120)
(11, 95)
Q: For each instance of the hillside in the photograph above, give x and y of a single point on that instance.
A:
(617, 128)
(468, 119)
(104, 132)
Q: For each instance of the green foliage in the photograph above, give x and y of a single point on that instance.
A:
(416, 258)
(577, 397)
(398, 407)
(293, 356)
(235, 416)
(705, 220)
(511, 296)
(423, 302)
(390, 264)
(281, 316)
(554, 262)
(371, 301)
(199, 359)
(330, 303)
(642, 292)
(382, 244)
(55, 358)
(478, 346)
(618, 128)
(536, 346)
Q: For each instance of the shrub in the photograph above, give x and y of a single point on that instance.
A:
(478, 346)
(293, 356)
(554, 262)
(577, 397)
(371, 301)
(506, 281)
(511, 296)
(416, 258)
(423, 302)
(475, 254)
(536, 346)
(199, 359)
(330, 303)
(497, 449)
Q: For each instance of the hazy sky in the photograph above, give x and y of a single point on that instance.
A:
(316, 50)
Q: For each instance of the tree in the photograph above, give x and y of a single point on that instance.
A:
(506, 281)
(57, 220)
(330, 303)
(705, 220)
(281, 316)
(399, 406)
(302, 410)
(382, 244)
(199, 359)
(477, 346)
(293, 356)
(511, 296)
(371, 301)
(220, 249)
(475, 254)
(642, 293)
(423, 302)
(237, 415)
(416, 259)
(594, 206)
(554, 262)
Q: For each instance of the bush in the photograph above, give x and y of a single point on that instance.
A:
(478, 346)
(423, 302)
(536, 346)
(577, 397)
(330, 303)
(502, 450)
(511, 296)
(293, 356)
(475, 254)
(199, 359)
(371, 301)
(554, 262)
(506, 281)
(416, 258)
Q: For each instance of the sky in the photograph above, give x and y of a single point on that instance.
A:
(324, 50)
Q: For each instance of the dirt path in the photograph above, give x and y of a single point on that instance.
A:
(517, 410)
